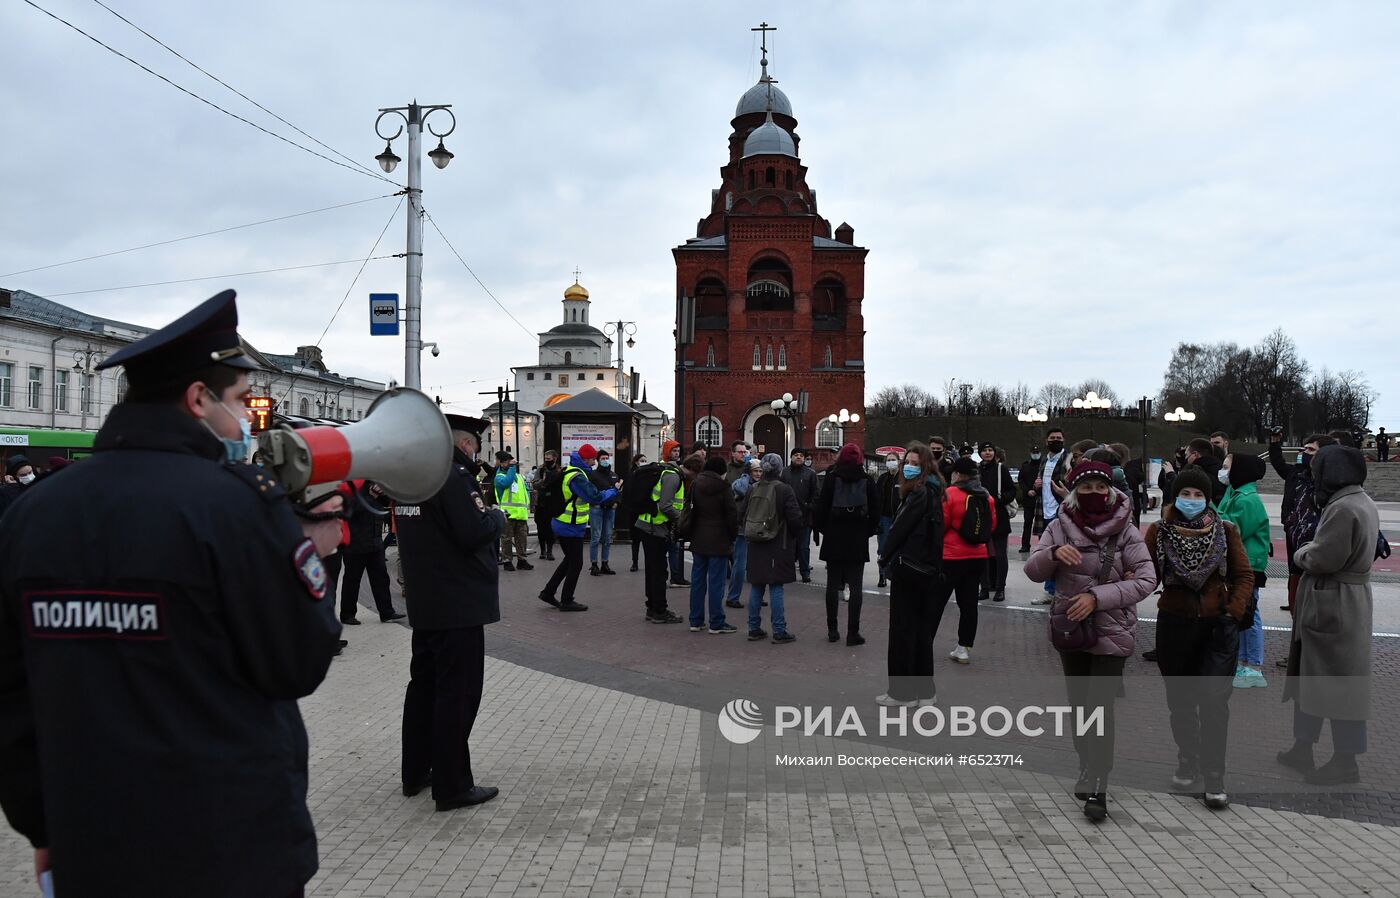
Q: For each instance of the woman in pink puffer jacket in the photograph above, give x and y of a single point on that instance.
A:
(1093, 518)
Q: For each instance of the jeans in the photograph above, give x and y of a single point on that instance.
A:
(910, 656)
(707, 577)
(600, 521)
(839, 576)
(654, 553)
(1252, 640)
(568, 570)
(775, 607)
(1348, 736)
(960, 578)
(885, 524)
(1197, 658)
(1092, 681)
(740, 569)
(675, 551)
(804, 551)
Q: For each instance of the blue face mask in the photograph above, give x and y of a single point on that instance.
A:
(605, 463)
(1190, 507)
(911, 472)
(234, 450)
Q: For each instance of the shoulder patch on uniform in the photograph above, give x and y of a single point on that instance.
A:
(310, 569)
(258, 480)
(480, 503)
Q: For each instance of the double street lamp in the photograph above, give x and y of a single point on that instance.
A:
(792, 408)
(414, 118)
(841, 419)
(83, 361)
(1179, 416)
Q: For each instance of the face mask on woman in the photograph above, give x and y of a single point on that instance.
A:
(25, 479)
(911, 472)
(1190, 507)
(1223, 475)
(892, 465)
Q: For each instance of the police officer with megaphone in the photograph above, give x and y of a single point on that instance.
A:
(449, 545)
(152, 653)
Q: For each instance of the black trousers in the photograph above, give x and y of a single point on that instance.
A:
(357, 564)
(1197, 657)
(995, 577)
(568, 570)
(654, 552)
(841, 575)
(910, 656)
(1093, 682)
(961, 578)
(636, 545)
(545, 533)
(439, 708)
(333, 565)
(1029, 514)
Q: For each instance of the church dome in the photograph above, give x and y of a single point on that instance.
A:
(576, 291)
(755, 99)
(769, 139)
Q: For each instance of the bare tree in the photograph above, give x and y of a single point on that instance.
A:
(902, 401)
(1099, 386)
(1055, 395)
(1018, 398)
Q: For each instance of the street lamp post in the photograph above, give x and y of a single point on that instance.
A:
(841, 419)
(621, 329)
(1179, 417)
(414, 118)
(1033, 416)
(83, 360)
(792, 408)
(1091, 402)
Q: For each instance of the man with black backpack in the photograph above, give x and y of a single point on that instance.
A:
(846, 514)
(970, 517)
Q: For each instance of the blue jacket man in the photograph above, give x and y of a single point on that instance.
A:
(513, 498)
(570, 526)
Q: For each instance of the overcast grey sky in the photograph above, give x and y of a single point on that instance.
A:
(1048, 191)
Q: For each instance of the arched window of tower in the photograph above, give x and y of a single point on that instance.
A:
(787, 179)
(829, 305)
(769, 286)
(756, 363)
(782, 356)
(769, 178)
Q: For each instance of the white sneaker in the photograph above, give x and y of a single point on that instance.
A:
(885, 699)
(1043, 599)
(845, 595)
(961, 655)
(926, 702)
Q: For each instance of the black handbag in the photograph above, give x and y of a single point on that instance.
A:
(1079, 636)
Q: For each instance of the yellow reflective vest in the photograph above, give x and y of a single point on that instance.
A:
(575, 509)
(515, 501)
(655, 516)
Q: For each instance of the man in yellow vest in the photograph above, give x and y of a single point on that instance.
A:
(570, 525)
(656, 526)
(513, 498)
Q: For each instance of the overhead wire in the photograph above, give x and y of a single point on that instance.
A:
(240, 93)
(132, 249)
(358, 170)
(216, 277)
(355, 280)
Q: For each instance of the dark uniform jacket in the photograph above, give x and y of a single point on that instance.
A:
(366, 527)
(846, 532)
(803, 481)
(449, 547)
(1004, 492)
(162, 612)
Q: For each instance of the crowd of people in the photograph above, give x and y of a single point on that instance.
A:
(190, 631)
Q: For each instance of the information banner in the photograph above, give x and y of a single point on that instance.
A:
(599, 436)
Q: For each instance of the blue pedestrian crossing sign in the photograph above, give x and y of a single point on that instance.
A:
(384, 314)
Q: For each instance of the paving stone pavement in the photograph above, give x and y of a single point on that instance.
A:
(602, 795)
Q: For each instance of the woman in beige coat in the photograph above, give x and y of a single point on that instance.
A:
(1329, 662)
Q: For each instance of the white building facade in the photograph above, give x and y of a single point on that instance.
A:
(48, 378)
(574, 357)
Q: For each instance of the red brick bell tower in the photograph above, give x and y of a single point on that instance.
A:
(778, 296)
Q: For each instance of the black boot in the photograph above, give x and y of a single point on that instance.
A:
(854, 639)
(606, 570)
(832, 634)
(593, 569)
(1299, 757)
(1096, 803)
(1341, 768)
(1188, 773)
(1082, 784)
(882, 583)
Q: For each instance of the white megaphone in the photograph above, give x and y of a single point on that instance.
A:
(404, 444)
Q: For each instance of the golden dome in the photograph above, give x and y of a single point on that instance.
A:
(576, 291)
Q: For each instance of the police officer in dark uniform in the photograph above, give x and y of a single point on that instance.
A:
(449, 546)
(152, 655)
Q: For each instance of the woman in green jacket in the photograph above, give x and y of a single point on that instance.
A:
(1243, 508)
